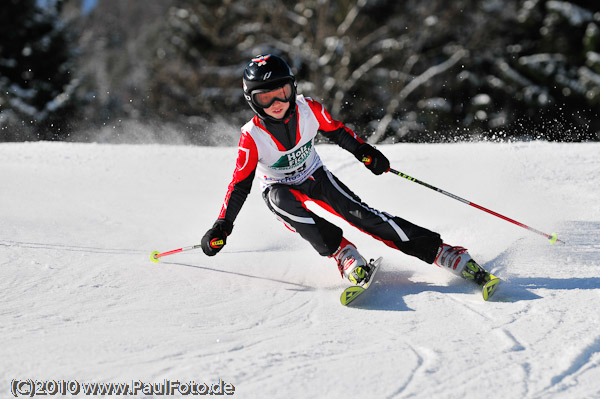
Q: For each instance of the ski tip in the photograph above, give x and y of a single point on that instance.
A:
(350, 294)
(154, 256)
(490, 287)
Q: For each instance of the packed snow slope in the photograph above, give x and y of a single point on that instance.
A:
(80, 299)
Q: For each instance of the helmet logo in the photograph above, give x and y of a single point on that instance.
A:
(267, 75)
(261, 59)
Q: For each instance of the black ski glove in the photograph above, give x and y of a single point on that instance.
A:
(216, 237)
(373, 159)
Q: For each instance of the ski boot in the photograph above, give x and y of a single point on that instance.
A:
(458, 261)
(350, 263)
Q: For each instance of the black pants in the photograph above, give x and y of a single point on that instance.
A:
(323, 188)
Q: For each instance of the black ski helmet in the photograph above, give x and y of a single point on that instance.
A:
(265, 72)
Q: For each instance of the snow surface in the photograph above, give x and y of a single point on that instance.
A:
(80, 299)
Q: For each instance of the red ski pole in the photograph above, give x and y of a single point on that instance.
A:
(551, 237)
(154, 256)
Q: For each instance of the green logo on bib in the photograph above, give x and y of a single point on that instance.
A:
(293, 159)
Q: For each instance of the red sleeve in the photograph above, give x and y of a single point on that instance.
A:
(241, 183)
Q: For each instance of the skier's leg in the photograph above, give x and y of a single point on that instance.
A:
(325, 237)
(287, 203)
(392, 230)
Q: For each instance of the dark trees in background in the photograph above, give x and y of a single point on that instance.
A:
(415, 70)
(398, 71)
(37, 77)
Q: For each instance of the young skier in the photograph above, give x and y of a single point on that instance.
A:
(278, 146)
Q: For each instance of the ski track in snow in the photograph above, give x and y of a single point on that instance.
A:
(80, 299)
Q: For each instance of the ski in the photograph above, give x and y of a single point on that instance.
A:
(489, 287)
(352, 292)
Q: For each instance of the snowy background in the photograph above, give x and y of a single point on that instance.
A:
(80, 299)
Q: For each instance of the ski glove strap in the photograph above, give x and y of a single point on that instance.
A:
(215, 238)
(373, 159)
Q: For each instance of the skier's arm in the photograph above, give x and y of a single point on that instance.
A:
(237, 192)
(241, 183)
(337, 132)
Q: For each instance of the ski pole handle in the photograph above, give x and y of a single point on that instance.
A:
(154, 256)
(553, 238)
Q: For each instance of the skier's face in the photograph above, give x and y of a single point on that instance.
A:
(278, 109)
